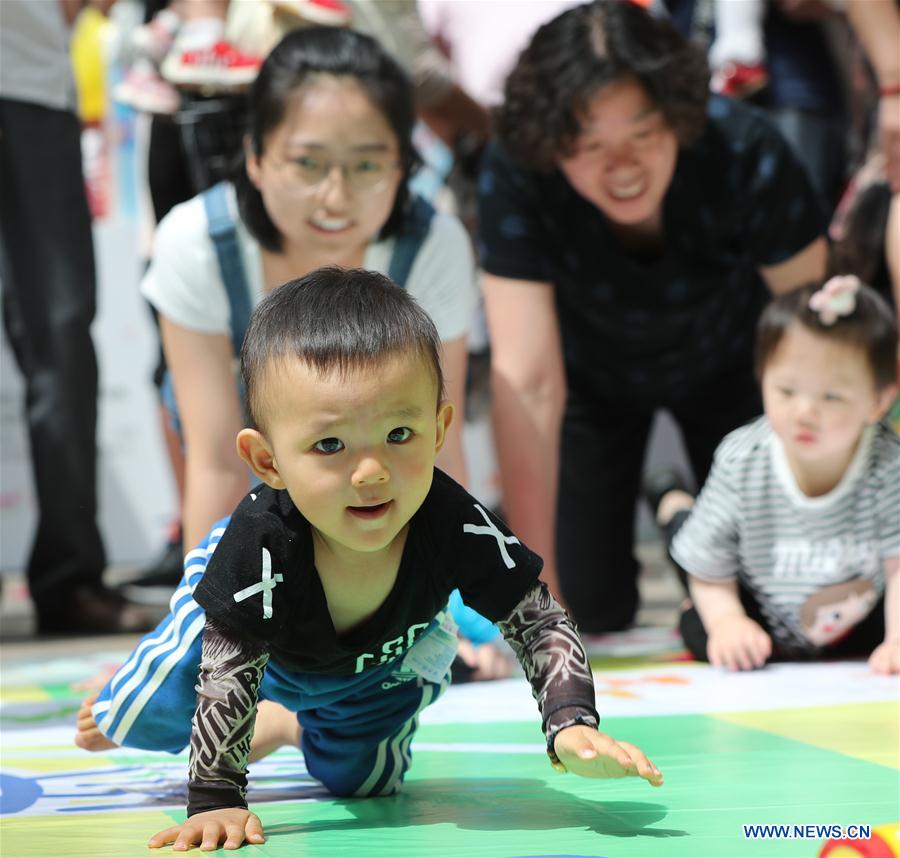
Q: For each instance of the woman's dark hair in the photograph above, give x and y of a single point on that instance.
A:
(579, 52)
(335, 320)
(871, 327)
(342, 53)
(861, 248)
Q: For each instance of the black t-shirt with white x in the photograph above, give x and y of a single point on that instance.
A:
(261, 583)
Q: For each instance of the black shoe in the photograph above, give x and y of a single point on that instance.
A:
(660, 482)
(460, 671)
(91, 611)
(155, 584)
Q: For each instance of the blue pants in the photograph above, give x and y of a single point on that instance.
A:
(356, 729)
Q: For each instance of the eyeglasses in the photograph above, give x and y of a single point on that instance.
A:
(364, 175)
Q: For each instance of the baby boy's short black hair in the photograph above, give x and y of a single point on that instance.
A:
(335, 320)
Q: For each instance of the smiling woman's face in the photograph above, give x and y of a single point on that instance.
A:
(624, 156)
(330, 122)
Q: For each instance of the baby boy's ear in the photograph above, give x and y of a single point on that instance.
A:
(444, 419)
(254, 449)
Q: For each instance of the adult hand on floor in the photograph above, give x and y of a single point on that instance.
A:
(234, 824)
(592, 754)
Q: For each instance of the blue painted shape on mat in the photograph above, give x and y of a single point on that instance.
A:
(16, 794)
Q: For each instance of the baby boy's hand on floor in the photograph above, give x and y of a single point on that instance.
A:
(233, 824)
(592, 754)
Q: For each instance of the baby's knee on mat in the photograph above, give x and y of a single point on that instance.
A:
(369, 792)
(347, 784)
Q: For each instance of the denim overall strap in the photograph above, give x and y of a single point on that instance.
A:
(223, 232)
(410, 240)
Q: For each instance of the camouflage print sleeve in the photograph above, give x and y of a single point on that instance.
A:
(555, 663)
(230, 673)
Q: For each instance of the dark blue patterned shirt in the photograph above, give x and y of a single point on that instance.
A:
(656, 330)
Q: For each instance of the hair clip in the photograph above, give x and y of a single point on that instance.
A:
(836, 298)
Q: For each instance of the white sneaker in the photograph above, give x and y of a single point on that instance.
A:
(154, 39)
(329, 13)
(144, 90)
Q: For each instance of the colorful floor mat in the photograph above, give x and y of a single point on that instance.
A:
(798, 746)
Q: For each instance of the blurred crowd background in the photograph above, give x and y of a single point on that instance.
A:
(161, 109)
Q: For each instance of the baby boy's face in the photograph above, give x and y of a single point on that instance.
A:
(356, 452)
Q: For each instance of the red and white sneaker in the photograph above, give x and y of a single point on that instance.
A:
(329, 13)
(739, 81)
(144, 90)
(220, 65)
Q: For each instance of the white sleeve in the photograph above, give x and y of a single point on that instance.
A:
(183, 281)
(442, 278)
(707, 544)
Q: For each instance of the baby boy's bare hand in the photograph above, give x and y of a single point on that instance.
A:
(233, 824)
(592, 754)
(738, 643)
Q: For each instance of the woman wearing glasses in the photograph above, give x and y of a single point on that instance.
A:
(324, 182)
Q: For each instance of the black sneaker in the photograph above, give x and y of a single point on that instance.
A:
(91, 610)
(155, 584)
(460, 671)
(658, 483)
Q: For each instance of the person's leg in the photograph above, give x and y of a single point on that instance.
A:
(737, 56)
(359, 745)
(674, 511)
(818, 141)
(739, 33)
(149, 702)
(153, 7)
(170, 183)
(155, 582)
(706, 418)
(47, 267)
(693, 633)
(168, 175)
(276, 727)
(356, 730)
(601, 456)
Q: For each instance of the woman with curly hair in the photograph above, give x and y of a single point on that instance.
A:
(631, 226)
